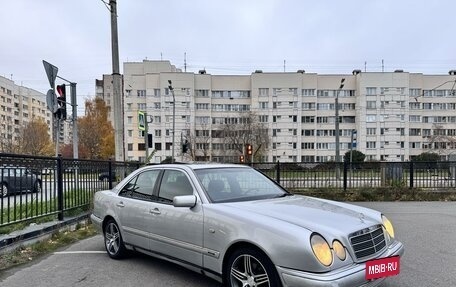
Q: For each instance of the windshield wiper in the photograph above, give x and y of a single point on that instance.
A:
(283, 195)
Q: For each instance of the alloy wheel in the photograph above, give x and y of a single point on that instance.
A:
(247, 271)
(3, 190)
(112, 238)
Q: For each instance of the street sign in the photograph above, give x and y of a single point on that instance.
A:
(141, 121)
(51, 72)
(51, 101)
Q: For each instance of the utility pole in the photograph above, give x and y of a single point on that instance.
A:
(171, 89)
(337, 128)
(117, 86)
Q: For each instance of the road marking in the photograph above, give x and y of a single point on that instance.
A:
(80, 252)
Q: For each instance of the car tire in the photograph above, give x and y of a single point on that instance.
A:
(37, 187)
(3, 190)
(262, 271)
(113, 240)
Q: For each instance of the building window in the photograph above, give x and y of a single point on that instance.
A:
(371, 105)
(371, 131)
(130, 147)
(371, 91)
(141, 146)
(371, 118)
(370, 145)
(308, 92)
(263, 92)
(141, 93)
(307, 119)
(158, 146)
(202, 93)
(263, 118)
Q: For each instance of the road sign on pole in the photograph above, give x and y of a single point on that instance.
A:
(51, 72)
(51, 101)
(141, 121)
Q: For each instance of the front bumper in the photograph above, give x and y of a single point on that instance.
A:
(351, 276)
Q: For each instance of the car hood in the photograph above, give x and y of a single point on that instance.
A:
(314, 214)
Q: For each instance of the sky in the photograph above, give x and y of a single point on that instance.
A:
(224, 37)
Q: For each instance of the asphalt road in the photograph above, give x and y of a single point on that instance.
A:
(426, 228)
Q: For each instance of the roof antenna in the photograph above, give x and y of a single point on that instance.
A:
(185, 62)
(365, 66)
(383, 66)
(284, 64)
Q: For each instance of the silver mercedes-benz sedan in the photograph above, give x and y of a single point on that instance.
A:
(236, 225)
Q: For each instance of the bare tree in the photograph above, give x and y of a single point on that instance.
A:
(7, 143)
(199, 141)
(440, 141)
(247, 130)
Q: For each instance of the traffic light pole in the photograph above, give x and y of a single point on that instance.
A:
(146, 136)
(74, 106)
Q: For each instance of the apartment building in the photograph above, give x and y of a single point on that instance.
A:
(394, 115)
(18, 105)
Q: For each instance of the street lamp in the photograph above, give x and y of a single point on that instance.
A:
(170, 87)
(337, 128)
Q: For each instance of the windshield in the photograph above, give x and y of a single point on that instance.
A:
(237, 184)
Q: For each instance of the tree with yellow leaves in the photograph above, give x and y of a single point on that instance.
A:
(96, 134)
(34, 138)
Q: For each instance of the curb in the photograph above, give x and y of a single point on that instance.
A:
(35, 232)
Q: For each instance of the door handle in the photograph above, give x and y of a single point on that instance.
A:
(154, 211)
(120, 204)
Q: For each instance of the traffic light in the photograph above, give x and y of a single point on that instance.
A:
(241, 159)
(185, 146)
(61, 100)
(249, 149)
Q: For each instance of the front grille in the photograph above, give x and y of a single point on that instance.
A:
(368, 242)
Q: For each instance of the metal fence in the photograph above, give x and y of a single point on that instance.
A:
(37, 187)
(304, 175)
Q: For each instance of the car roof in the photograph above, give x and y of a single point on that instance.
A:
(200, 165)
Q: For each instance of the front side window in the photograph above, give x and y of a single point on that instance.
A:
(174, 183)
(141, 186)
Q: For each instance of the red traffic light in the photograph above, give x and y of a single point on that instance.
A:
(249, 149)
(61, 100)
(241, 159)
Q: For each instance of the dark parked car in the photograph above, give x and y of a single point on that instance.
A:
(18, 179)
(104, 176)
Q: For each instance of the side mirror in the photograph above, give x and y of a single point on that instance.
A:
(184, 201)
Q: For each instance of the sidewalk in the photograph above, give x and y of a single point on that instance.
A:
(37, 232)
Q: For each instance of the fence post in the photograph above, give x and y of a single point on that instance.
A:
(345, 175)
(60, 187)
(110, 173)
(278, 172)
(411, 174)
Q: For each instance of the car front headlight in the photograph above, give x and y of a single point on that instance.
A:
(339, 249)
(321, 249)
(388, 226)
